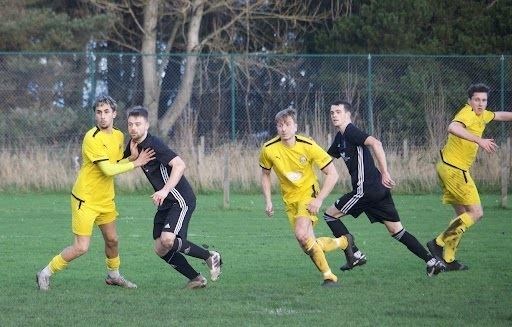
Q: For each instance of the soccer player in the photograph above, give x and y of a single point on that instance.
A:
(464, 138)
(175, 199)
(292, 157)
(371, 187)
(92, 197)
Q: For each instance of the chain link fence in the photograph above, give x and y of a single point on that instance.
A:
(407, 101)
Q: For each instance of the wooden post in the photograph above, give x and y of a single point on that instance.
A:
(505, 173)
(226, 179)
(405, 147)
(200, 161)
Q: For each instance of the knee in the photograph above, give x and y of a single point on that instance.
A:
(167, 240)
(477, 214)
(302, 238)
(112, 241)
(80, 249)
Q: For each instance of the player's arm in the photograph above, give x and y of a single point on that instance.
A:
(178, 168)
(380, 157)
(458, 129)
(111, 169)
(503, 115)
(330, 180)
(266, 187)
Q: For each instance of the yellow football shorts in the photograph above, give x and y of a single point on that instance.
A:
(84, 217)
(298, 208)
(458, 186)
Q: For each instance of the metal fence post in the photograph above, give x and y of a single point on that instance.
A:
(233, 97)
(370, 100)
(92, 77)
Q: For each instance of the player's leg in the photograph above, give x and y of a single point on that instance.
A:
(398, 232)
(303, 229)
(176, 222)
(107, 225)
(350, 203)
(460, 191)
(82, 223)
(179, 263)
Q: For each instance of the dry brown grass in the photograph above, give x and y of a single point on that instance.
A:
(52, 168)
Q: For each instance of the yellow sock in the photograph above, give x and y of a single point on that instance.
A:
(328, 243)
(318, 257)
(453, 234)
(113, 263)
(57, 264)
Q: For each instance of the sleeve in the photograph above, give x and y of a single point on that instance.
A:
(94, 149)
(319, 156)
(111, 169)
(354, 135)
(265, 161)
(333, 149)
(488, 116)
(464, 117)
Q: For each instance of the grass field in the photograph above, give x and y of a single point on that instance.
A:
(266, 278)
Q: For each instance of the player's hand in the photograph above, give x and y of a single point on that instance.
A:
(387, 181)
(159, 197)
(144, 157)
(269, 209)
(314, 206)
(134, 151)
(488, 145)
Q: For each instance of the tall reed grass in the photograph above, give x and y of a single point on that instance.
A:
(54, 168)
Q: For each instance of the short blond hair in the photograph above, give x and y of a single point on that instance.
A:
(288, 112)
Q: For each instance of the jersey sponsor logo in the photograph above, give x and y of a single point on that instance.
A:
(293, 176)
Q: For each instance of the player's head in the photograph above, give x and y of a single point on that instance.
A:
(477, 97)
(286, 123)
(138, 123)
(341, 112)
(105, 110)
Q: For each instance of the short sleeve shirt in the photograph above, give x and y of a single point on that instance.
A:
(294, 165)
(459, 152)
(92, 185)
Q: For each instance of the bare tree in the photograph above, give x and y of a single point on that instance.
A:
(199, 26)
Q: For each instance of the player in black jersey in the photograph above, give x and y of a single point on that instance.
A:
(175, 199)
(371, 188)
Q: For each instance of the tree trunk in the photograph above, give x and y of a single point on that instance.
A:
(185, 90)
(149, 64)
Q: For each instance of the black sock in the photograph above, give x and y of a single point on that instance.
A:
(412, 244)
(180, 264)
(189, 248)
(337, 227)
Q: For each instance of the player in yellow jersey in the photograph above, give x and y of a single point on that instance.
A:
(292, 158)
(464, 138)
(92, 197)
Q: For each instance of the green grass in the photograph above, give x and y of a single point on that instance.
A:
(266, 280)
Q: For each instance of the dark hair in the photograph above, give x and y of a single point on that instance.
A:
(289, 112)
(137, 111)
(477, 88)
(345, 104)
(104, 99)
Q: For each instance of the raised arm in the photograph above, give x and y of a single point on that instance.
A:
(111, 169)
